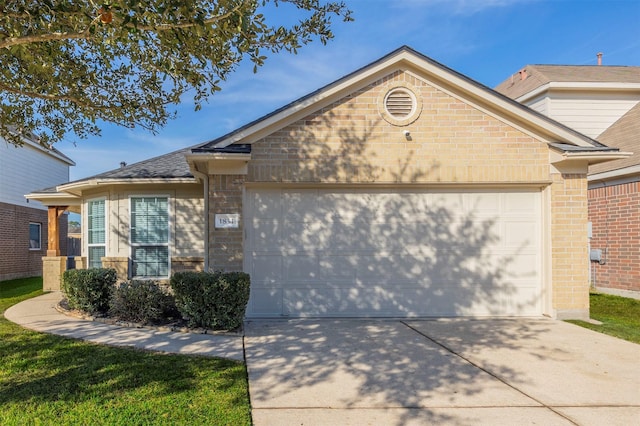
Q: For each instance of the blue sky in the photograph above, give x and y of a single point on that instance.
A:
(487, 40)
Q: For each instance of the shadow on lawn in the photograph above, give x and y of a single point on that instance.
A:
(49, 368)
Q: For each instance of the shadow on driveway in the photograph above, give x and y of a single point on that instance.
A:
(446, 371)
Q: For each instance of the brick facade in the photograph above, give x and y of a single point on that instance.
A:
(349, 142)
(614, 212)
(225, 245)
(16, 259)
(569, 245)
(451, 142)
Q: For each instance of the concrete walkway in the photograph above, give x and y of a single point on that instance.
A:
(40, 314)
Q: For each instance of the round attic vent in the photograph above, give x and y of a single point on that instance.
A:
(399, 105)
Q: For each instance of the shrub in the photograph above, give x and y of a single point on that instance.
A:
(212, 300)
(89, 290)
(142, 301)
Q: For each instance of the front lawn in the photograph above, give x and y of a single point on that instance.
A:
(620, 316)
(47, 379)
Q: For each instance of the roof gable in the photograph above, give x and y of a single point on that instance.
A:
(624, 134)
(437, 74)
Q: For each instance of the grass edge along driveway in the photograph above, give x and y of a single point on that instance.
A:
(620, 316)
(46, 379)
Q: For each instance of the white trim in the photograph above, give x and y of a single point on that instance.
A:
(85, 227)
(619, 173)
(170, 233)
(89, 183)
(577, 86)
(434, 73)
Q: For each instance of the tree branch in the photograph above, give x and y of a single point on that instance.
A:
(48, 97)
(86, 34)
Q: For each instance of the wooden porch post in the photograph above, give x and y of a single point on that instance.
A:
(54, 229)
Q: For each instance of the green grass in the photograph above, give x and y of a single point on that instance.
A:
(48, 380)
(620, 316)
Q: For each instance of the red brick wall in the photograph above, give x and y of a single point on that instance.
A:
(614, 212)
(16, 260)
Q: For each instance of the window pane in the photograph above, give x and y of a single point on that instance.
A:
(96, 222)
(34, 236)
(150, 261)
(95, 253)
(149, 220)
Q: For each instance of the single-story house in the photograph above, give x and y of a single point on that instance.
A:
(601, 101)
(404, 189)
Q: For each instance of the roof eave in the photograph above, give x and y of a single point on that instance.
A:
(614, 174)
(76, 188)
(577, 86)
(218, 163)
(55, 199)
(588, 157)
(441, 74)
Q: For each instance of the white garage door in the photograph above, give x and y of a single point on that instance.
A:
(393, 253)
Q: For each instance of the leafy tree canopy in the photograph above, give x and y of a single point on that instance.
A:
(66, 64)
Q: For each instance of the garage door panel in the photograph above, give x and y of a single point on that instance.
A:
(307, 236)
(265, 302)
(270, 267)
(338, 268)
(403, 253)
(522, 203)
(266, 234)
(350, 302)
(301, 268)
(266, 204)
(520, 233)
(484, 204)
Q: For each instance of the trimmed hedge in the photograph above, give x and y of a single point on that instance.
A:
(142, 301)
(89, 290)
(212, 300)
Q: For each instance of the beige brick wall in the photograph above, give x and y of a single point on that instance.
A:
(570, 264)
(225, 245)
(451, 142)
(349, 141)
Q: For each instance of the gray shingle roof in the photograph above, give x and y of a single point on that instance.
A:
(167, 166)
(625, 135)
(539, 75)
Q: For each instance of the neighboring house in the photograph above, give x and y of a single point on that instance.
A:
(403, 189)
(602, 102)
(23, 223)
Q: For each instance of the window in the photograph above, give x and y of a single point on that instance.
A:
(96, 233)
(150, 236)
(35, 236)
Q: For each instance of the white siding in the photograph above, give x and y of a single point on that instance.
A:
(540, 105)
(26, 169)
(589, 113)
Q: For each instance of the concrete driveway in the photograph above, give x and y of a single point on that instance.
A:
(461, 372)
